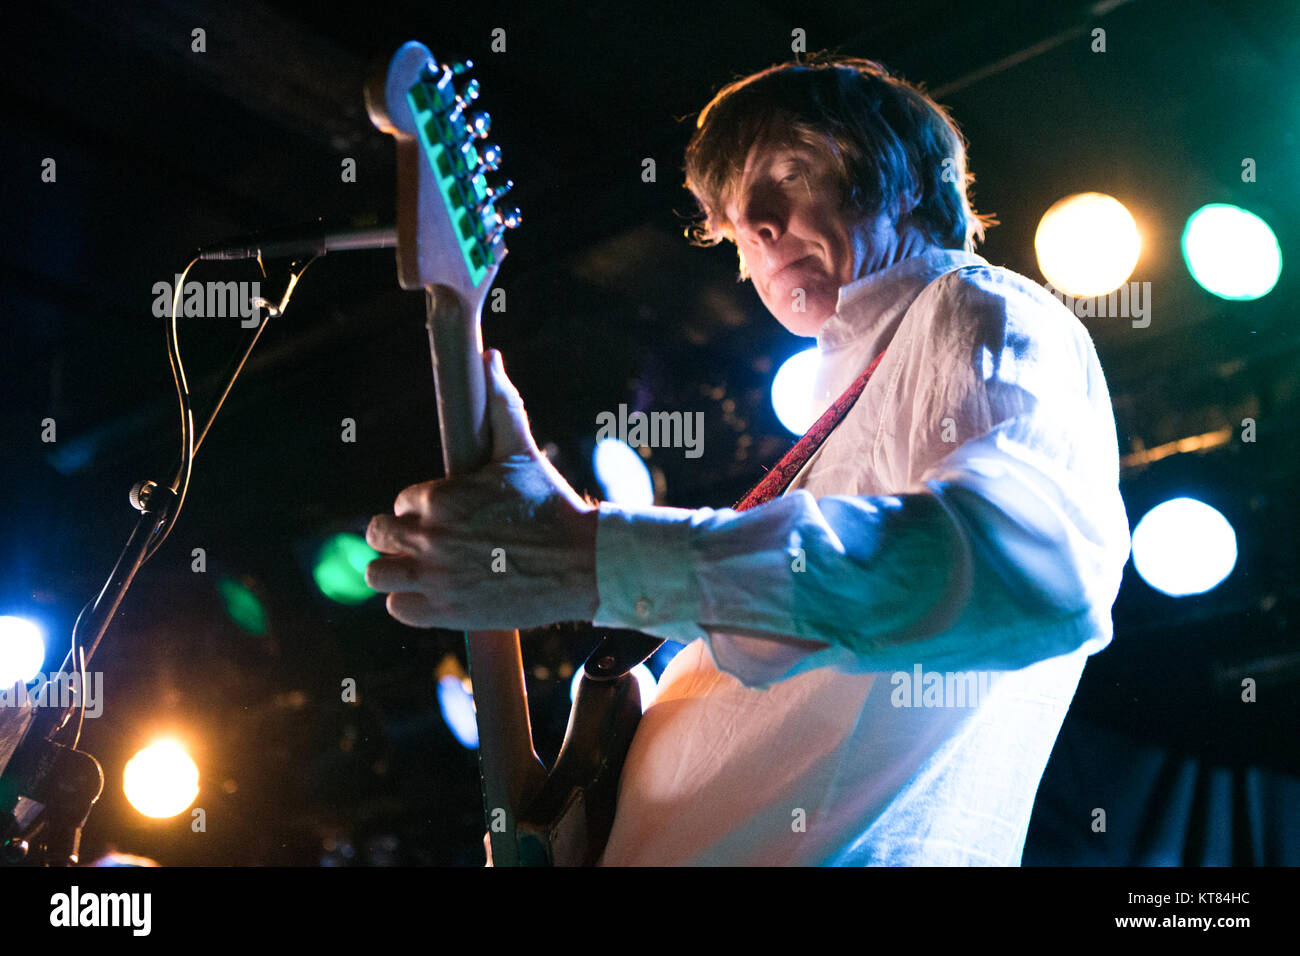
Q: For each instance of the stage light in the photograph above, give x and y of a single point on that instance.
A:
(644, 679)
(622, 473)
(115, 859)
(340, 570)
(161, 780)
(1231, 253)
(792, 391)
(1087, 244)
(457, 706)
(1183, 546)
(242, 605)
(22, 650)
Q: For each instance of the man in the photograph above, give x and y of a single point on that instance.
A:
(878, 661)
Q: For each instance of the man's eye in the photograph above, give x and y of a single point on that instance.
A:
(790, 178)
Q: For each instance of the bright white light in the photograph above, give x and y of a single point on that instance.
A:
(1232, 253)
(622, 474)
(792, 391)
(22, 650)
(644, 679)
(1183, 547)
(457, 706)
(161, 780)
(1087, 244)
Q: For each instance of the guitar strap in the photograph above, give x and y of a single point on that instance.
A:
(623, 650)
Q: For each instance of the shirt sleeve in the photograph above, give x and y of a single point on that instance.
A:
(1005, 547)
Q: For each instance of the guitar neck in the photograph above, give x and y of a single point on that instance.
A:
(511, 772)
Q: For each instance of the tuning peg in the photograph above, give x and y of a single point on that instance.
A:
(458, 68)
(439, 77)
(496, 220)
(467, 96)
(488, 214)
(510, 219)
(479, 124)
(490, 156)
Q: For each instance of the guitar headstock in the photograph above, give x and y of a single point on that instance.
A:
(450, 226)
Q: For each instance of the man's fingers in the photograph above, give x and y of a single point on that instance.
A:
(416, 499)
(411, 609)
(392, 535)
(509, 421)
(393, 574)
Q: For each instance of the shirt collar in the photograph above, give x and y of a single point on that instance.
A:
(866, 306)
(868, 313)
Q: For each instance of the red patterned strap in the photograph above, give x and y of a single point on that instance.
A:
(776, 480)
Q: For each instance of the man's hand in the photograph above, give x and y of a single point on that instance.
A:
(510, 546)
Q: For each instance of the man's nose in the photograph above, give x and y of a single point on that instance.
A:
(761, 217)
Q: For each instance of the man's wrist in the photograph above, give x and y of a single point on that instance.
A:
(645, 568)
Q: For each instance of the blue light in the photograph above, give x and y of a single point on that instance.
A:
(1231, 252)
(644, 679)
(457, 706)
(792, 391)
(22, 650)
(1183, 546)
(622, 474)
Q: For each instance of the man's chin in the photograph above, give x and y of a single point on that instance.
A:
(806, 324)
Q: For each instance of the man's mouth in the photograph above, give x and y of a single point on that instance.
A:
(790, 264)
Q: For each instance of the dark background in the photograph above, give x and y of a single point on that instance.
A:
(161, 150)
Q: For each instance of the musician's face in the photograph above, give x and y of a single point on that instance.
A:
(793, 239)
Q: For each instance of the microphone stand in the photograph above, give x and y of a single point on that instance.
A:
(48, 788)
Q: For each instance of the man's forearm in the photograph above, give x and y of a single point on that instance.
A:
(894, 580)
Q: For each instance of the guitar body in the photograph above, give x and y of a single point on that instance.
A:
(449, 243)
(570, 820)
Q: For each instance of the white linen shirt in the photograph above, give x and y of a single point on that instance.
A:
(956, 543)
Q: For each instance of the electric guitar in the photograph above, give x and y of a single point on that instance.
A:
(450, 242)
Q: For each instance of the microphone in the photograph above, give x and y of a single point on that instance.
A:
(315, 239)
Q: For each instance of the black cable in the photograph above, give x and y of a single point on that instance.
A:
(189, 447)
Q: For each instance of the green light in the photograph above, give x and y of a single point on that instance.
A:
(242, 606)
(1231, 253)
(340, 570)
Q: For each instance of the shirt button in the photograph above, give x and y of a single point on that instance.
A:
(643, 606)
